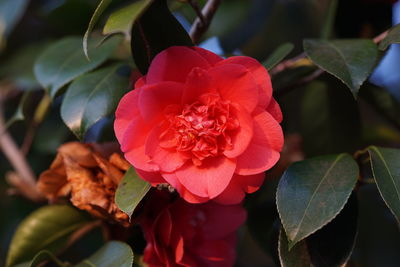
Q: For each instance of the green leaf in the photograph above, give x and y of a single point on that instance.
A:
(46, 228)
(333, 244)
(351, 60)
(64, 61)
(92, 97)
(278, 55)
(19, 113)
(113, 253)
(328, 26)
(297, 256)
(393, 37)
(131, 191)
(122, 20)
(386, 171)
(41, 257)
(95, 17)
(156, 30)
(312, 192)
(10, 13)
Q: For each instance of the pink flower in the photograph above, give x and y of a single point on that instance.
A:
(183, 234)
(206, 125)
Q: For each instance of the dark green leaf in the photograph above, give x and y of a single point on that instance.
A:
(41, 257)
(46, 228)
(92, 97)
(19, 113)
(328, 26)
(352, 60)
(386, 170)
(113, 253)
(156, 30)
(64, 61)
(280, 53)
(95, 17)
(297, 256)
(312, 192)
(121, 21)
(393, 37)
(333, 244)
(131, 191)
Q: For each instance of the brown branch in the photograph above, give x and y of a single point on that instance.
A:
(201, 23)
(24, 178)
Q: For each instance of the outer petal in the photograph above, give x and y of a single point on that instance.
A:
(236, 84)
(259, 73)
(198, 82)
(174, 64)
(168, 161)
(151, 177)
(250, 183)
(126, 111)
(233, 194)
(241, 137)
(263, 151)
(133, 145)
(274, 109)
(154, 98)
(209, 56)
(208, 180)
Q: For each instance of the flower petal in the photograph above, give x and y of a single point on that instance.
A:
(154, 98)
(209, 56)
(250, 183)
(174, 64)
(275, 110)
(236, 84)
(198, 82)
(242, 136)
(260, 75)
(152, 177)
(126, 111)
(263, 151)
(209, 179)
(233, 194)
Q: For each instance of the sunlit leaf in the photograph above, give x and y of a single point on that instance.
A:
(131, 191)
(92, 97)
(47, 228)
(312, 192)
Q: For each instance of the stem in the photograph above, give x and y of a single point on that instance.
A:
(202, 22)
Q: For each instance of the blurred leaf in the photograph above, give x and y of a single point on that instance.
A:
(312, 192)
(122, 20)
(113, 253)
(351, 60)
(386, 171)
(19, 66)
(333, 244)
(19, 113)
(393, 37)
(278, 55)
(297, 256)
(93, 96)
(42, 257)
(156, 30)
(47, 228)
(329, 24)
(10, 13)
(64, 61)
(131, 190)
(95, 17)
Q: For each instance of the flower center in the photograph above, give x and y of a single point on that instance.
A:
(201, 129)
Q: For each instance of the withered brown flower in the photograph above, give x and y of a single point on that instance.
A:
(89, 174)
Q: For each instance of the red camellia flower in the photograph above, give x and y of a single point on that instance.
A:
(206, 125)
(182, 234)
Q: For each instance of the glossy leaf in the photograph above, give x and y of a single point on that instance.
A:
(312, 192)
(95, 17)
(113, 253)
(351, 60)
(121, 21)
(47, 228)
(386, 171)
(92, 97)
(64, 61)
(333, 244)
(131, 191)
(278, 55)
(156, 30)
(297, 256)
(393, 37)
